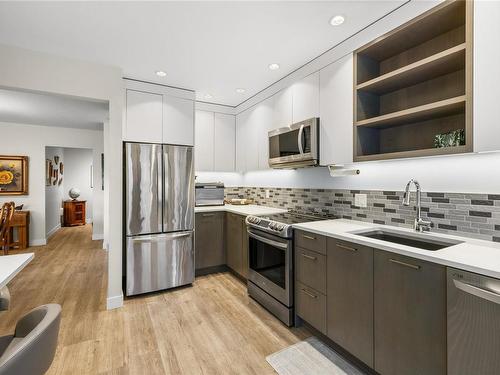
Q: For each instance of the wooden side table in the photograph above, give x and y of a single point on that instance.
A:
(74, 213)
(20, 224)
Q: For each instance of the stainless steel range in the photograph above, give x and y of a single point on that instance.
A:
(270, 259)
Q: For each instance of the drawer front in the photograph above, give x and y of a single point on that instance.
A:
(311, 306)
(310, 241)
(310, 269)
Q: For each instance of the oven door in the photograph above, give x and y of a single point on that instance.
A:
(296, 144)
(270, 260)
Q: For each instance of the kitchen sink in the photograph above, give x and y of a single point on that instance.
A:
(420, 241)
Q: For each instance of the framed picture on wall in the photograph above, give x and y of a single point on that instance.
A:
(13, 175)
(49, 170)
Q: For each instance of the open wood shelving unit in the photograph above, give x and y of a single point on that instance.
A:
(414, 83)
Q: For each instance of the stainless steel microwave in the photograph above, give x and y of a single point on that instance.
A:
(295, 146)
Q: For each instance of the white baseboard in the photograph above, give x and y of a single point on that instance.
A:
(53, 230)
(115, 302)
(39, 242)
(97, 236)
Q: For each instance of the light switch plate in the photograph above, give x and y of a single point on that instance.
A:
(360, 200)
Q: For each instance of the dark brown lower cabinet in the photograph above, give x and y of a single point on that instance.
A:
(209, 240)
(410, 316)
(237, 244)
(350, 298)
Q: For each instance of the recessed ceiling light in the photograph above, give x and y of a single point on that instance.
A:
(274, 66)
(240, 91)
(337, 20)
(161, 73)
(208, 96)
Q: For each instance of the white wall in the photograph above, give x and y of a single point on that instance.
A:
(53, 195)
(31, 141)
(475, 173)
(77, 175)
(30, 70)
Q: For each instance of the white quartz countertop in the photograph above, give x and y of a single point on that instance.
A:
(250, 209)
(11, 265)
(472, 255)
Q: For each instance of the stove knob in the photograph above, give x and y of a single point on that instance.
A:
(281, 226)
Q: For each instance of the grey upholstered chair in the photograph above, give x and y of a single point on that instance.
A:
(32, 347)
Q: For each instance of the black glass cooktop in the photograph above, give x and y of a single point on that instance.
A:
(294, 218)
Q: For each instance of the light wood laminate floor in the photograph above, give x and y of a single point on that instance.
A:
(210, 328)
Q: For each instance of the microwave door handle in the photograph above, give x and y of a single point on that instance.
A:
(299, 139)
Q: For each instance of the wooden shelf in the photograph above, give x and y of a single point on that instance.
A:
(421, 113)
(415, 153)
(445, 62)
(439, 20)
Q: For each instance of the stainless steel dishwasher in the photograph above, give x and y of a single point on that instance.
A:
(473, 323)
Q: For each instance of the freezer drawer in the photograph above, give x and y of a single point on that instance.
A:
(473, 323)
(156, 262)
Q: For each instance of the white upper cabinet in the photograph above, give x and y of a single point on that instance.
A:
(486, 81)
(336, 108)
(306, 98)
(204, 141)
(224, 148)
(144, 113)
(282, 108)
(178, 121)
(263, 122)
(241, 140)
(252, 140)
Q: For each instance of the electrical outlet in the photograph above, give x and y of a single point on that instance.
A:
(268, 195)
(360, 200)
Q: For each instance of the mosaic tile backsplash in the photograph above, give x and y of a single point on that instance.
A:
(468, 215)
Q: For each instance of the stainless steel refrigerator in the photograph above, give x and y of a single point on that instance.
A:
(159, 217)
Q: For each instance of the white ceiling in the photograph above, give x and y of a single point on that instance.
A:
(210, 47)
(23, 107)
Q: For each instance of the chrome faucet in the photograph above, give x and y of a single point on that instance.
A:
(420, 225)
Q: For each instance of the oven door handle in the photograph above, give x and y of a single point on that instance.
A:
(299, 139)
(277, 244)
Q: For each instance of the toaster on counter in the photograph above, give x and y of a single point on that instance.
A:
(209, 194)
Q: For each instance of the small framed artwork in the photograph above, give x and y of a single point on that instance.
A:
(13, 175)
(49, 170)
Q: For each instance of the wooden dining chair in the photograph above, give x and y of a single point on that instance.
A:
(6, 213)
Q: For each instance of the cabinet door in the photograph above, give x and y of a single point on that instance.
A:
(350, 298)
(204, 141)
(410, 316)
(306, 98)
(209, 240)
(282, 113)
(233, 242)
(252, 140)
(485, 111)
(224, 147)
(336, 108)
(178, 121)
(144, 117)
(262, 123)
(241, 132)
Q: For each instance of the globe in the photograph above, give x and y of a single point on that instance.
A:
(74, 193)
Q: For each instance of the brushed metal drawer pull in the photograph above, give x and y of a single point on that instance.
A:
(346, 247)
(208, 215)
(309, 293)
(415, 267)
(308, 237)
(309, 257)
